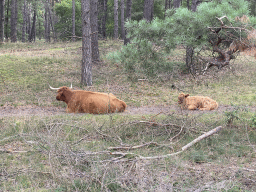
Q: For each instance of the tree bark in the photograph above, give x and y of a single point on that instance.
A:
(39, 29)
(51, 21)
(148, 10)
(94, 31)
(7, 21)
(73, 20)
(194, 4)
(122, 19)
(190, 50)
(128, 17)
(47, 24)
(28, 18)
(86, 74)
(32, 35)
(176, 3)
(104, 18)
(115, 19)
(2, 20)
(23, 39)
(14, 17)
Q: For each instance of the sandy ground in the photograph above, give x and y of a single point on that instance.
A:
(10, 111)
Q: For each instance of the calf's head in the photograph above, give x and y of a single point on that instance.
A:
(182, 97)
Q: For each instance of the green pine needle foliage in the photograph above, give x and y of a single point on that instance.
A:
(151, 42)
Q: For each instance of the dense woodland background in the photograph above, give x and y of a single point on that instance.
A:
(53, 20)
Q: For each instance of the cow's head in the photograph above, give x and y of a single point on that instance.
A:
(64, 93)
(182, 97)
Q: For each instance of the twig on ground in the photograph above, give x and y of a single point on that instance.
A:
(181, 129)
(134, 147)
(108, 136)
(207, 134)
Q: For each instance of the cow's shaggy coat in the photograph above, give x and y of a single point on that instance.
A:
(89, 102)
(196, 102)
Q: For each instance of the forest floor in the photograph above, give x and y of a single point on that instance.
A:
(32, 110)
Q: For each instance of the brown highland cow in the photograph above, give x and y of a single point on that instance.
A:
(79, 101)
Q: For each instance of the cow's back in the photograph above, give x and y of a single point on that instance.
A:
(96, 103)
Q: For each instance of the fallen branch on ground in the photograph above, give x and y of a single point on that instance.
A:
(207, 134)
(130, 156)
(137, 146)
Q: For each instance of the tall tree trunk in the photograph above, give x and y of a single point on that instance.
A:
(14, 17)
(86, 74)
(23, 39)
(2, 20)
(73, 20)
(148, 10)
(47, 24)
(51, 21)
(32, 34)
(94, 31)
(122, 20)
(115, 19)
(28, 14)
(194, 4)
(190, 50)
(104, 18)
(176, 3)
(128, 17)
(7, 21)
(39, 29)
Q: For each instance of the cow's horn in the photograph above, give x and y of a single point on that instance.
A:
(71, 86)
(53, 88)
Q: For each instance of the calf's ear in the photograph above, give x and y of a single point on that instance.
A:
(186, 95)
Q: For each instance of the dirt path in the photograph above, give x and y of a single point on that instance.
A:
(10, 111)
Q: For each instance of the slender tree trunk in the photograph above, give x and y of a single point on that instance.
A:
(24, 22)
(28, 13)
(122, 20)
(51, 22)
(7, 21)
(94, 31)
(14, 15)
(2, 20)
(148, 10)
(39, 29)
(115, 19)
(128, 17)
(190, 50)
(32, 34)
(86, 74)
(47, 24)
(100, 15)
(104, 18)
(73, 20)
(194, 4)
(176, 3)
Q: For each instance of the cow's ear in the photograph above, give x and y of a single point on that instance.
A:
(186, 95)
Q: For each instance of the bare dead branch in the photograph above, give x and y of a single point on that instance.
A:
(207, 134)
(220, 19)
(134, 147)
